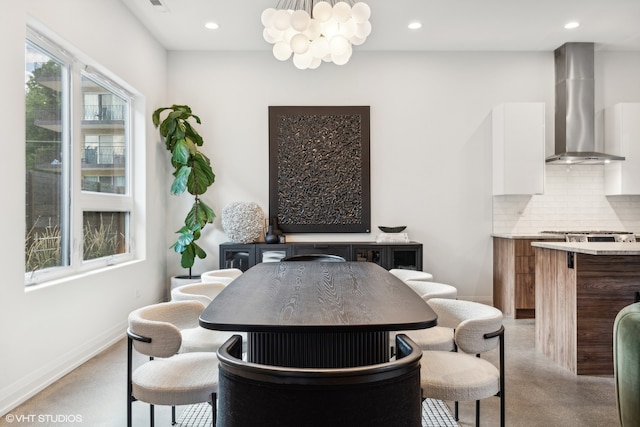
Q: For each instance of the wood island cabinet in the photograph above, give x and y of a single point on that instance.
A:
(581, 287)
(514, 277)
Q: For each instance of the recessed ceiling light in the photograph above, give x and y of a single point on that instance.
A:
(571, 25)
(211, 25)
(415, 25)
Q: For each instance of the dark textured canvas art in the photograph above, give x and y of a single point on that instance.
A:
(319, 169)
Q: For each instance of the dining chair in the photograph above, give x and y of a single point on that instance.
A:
(438, 337)
(314, 257)
(195, 337)
(379, 395)
(223, 275)
(428, 290)
(405, 274)
(204, 292)
(168, 377)
(462, 375)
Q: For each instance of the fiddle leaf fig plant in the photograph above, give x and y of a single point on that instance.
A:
(192, 173)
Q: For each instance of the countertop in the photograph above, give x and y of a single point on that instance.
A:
(533, 236)
(593, 248)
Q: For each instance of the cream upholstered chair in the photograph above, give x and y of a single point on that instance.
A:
(168, 378)
(405, 275)
(197, 338)
(438, 337)
(428, 290)
(223, 275)
(203, 292)
(463, 375)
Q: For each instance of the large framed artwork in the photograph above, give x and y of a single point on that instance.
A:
(319, 179)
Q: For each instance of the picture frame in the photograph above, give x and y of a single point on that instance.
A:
(319, 168)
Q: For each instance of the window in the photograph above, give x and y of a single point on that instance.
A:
(78, 188)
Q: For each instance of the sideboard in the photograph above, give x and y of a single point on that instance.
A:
(388, 255)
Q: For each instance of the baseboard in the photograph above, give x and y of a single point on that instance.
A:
(12, 395)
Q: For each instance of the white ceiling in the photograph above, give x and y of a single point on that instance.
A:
(458, 25)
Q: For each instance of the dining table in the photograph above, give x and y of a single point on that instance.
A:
(318, 314)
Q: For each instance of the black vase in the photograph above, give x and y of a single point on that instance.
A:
(270, 237)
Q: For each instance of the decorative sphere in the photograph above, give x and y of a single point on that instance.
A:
(302, 61)
(322, 11)
(243, 222)
(313, 30)
(268, 37)
(330, 28)
(348, 28)
(299, 43)
(343, 58)
(361, 12)
(319, 47)
(300, 20)
(315, 63)
(338, 45)
(287, 35)
(341, 11)
(282, 50)
(282, 19)
(267, 17)
(363, 30)
(357, 41)
(275, 34)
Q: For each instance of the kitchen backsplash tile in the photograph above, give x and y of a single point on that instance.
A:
(573, 199)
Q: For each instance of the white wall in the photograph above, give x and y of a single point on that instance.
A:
(48, 330)
(430, 139)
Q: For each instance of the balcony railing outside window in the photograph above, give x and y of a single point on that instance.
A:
(102, 112)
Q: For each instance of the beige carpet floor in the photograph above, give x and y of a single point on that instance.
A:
(538, 393)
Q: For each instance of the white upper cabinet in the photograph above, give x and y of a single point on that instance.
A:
(622, 130)
(518, 148)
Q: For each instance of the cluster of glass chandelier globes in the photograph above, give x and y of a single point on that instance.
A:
(324, 34)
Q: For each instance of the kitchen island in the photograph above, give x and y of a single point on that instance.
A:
(514, 273)
(580, 287)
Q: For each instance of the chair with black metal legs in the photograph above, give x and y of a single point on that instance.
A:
(168, 378)
(462, 375)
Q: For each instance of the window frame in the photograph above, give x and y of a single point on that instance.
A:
(77, 201)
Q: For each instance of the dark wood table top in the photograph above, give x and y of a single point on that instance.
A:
(317, 297)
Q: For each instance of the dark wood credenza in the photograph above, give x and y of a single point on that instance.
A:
(387, 255)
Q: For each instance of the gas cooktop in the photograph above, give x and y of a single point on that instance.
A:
(595, 236)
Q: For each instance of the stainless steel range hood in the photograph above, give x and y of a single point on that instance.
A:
(575, 110)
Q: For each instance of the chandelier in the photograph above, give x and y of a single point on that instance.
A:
(316, 31)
